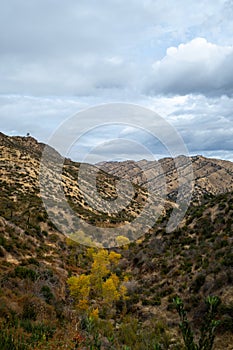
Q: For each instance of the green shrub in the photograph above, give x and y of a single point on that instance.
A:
(23, 272)
(47, 294)
(198, 283)
(29, 311)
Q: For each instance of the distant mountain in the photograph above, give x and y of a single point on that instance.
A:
(21, 165)
(211, 176)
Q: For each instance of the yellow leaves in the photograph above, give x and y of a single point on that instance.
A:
(114, 258)
(113, 290)
(122, 241)
(83, 305)
(126, 279)
(90, 252)
(101, 284)
(102, 257)
(123, 292)
(94, 314)
(100, 263)
(110, 289)
(81, 238)
(71, 242)
(79, 286)
(115, 279)
(79, 290)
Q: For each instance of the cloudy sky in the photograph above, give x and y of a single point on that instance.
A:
(176, 58)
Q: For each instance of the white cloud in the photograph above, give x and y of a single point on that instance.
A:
(84, 47)
(195, 67)
(205, 124)
(59, 57)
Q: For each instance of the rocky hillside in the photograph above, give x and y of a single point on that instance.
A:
(194, 261)
(149, 186)
(211, 176)
(20, 177)
(36, 258)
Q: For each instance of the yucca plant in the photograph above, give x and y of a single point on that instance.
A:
(208, 327)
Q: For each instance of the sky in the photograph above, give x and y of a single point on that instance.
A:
(58, 58)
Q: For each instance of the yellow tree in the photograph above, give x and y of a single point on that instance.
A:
(122, 241)
(111, 290)
(100, 284)
(79, 289)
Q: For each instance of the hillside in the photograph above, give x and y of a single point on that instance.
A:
(36, 257)
(211, 176)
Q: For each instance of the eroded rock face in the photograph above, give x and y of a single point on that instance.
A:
(211, 176)
(20, 175)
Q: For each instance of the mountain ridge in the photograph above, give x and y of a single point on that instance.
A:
(36, 258)
(210, 174)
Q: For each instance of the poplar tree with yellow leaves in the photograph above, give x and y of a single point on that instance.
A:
(101, 288)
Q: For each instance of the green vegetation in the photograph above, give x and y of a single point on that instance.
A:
(208, 328)
(57, 294)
